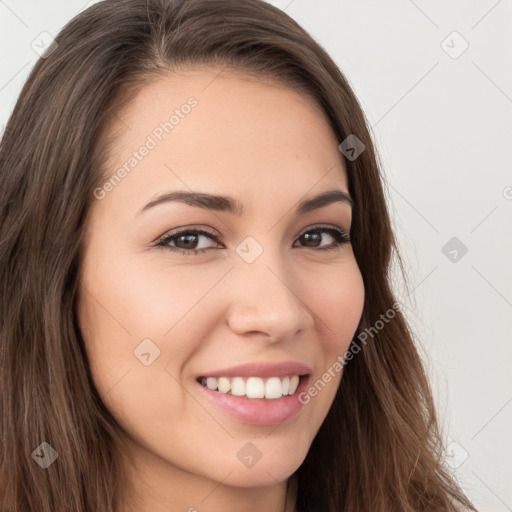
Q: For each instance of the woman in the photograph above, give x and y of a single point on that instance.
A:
(196, 311)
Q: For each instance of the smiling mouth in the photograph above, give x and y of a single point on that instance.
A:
(254, 387)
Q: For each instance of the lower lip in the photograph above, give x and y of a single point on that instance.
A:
(258, 411)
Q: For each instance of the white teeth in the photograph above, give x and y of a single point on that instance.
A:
(211, 382)
(238, 386)
(253, 387)
(294, 382)
(273, 388)
(286, 385)
(224, 384)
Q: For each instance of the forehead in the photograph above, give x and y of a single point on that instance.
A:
(223, 132)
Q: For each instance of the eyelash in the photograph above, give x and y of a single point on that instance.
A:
(340, 236)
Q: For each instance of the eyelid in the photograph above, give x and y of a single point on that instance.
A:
(220, 237)
(323, 226)
(194, 229)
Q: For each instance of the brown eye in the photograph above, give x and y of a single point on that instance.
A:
(313, 238)
(186, 240)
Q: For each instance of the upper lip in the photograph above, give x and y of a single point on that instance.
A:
(262, 369)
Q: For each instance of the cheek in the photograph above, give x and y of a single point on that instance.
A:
(139, 333)
(139, 321)
(134, 301)
(337, 299)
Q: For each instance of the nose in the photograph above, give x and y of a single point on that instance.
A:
(266, 298)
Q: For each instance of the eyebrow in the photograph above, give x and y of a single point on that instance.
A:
(230, 205)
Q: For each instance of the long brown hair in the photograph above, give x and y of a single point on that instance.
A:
(380, 447)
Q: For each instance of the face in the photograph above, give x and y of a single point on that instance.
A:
(173, 291)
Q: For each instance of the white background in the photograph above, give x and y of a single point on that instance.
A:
(442, 125)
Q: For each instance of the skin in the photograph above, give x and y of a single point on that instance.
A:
(268, 147)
